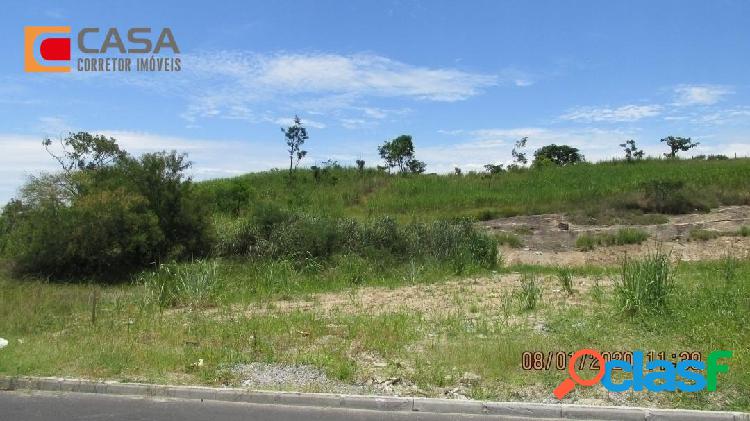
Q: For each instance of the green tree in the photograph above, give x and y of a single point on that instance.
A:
(494, 169)
(295, 136)
(557, 155)
(631, 150)
(399, 152)
(124, 214)
(677, 144)
(519, 158)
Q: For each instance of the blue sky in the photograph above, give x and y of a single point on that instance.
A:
(465, 78)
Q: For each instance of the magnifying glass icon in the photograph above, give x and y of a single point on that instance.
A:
(569, 384)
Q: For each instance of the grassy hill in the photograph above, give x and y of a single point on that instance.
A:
(596, 190)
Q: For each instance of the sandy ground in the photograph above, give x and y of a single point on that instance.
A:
(550, 239)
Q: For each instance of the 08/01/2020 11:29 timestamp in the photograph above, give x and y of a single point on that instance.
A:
(558, 360)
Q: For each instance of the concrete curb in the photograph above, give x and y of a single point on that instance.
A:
(377, 403)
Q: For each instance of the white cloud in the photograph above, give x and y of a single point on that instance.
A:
(624, 113)
(475, 148)
(231, 84)
(288, 121)
(364, 74)
(700, 94)
(24, 155)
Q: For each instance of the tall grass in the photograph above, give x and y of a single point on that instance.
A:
(588, 241)
(565, 277)
(645, 284)
(426, 197)
(192, 285)
(529, 293)
(276, 234)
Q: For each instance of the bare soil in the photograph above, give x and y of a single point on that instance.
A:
(550, 239)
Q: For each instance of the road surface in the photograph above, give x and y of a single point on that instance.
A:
(50, 406)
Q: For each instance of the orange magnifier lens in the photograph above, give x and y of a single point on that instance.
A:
(567, 385)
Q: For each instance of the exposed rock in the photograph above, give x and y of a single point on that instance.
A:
(470, 378)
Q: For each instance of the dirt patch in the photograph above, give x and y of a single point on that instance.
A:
(487, 298)
(550, 239)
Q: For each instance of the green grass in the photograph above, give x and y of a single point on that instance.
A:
(645, 285)
(51, 333)
(589, 241)
(591, 189)
(565, 277)
(508, 239)
(698, 234)
(529, 293)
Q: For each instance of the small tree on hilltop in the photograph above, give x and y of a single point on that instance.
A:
(631, 151)
(494, 168)
(519, 158)
(558, 155)
(677, 144)
(399, 152)
(295, 135)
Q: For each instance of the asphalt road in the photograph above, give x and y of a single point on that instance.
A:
(49, 406)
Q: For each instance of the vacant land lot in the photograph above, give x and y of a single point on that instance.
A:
(311, 286)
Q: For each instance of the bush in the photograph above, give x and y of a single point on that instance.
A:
(645, 284)
(280, 235)
(744, 231)
(670, 197)
(110, 220)
(104, 233)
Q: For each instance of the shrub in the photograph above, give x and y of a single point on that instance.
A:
(298, 237)
(108, 219)
(744, 231)
(670, 197)
(645, 284)
(234, 236)
(104, 233)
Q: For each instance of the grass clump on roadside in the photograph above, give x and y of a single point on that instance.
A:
(645, 284)
(194, 285)
(589, 241)
(565, 277)
(529, 293)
